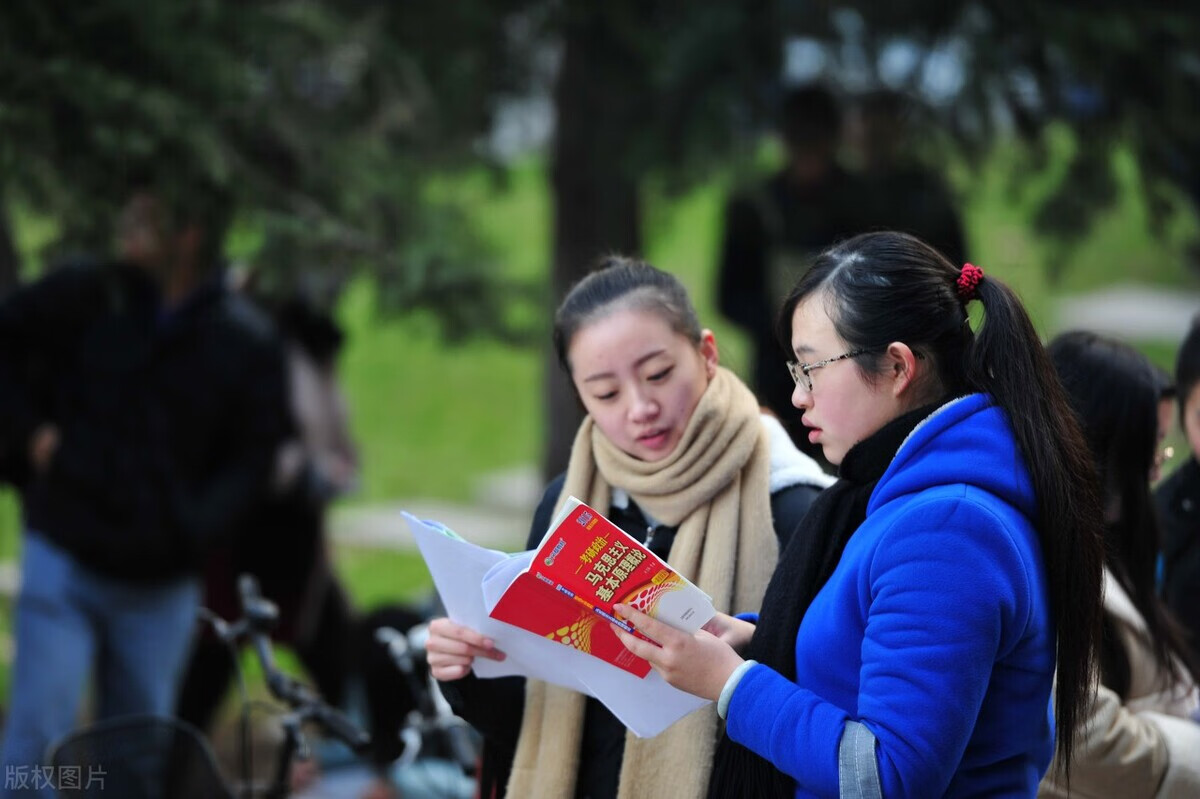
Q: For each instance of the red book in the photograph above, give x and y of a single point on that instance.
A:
(584, 566)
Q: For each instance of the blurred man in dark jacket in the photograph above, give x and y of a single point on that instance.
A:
(899, 192)
(149, 432)
(773, 232)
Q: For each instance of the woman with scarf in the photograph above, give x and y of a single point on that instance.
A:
(675, 450)
(907, 644)
(1140, 738)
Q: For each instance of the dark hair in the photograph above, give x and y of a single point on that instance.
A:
(1187, 367)
(810, 115)
(620, 283)
(190, 195)
(1115, 392)
(1166, 385)
(887, 286)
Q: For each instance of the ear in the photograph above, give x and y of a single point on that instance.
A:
(708, 351)
(901, 368)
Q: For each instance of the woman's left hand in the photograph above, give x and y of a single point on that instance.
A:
(699, 663)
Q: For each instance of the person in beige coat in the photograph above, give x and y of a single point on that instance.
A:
(1141, 737)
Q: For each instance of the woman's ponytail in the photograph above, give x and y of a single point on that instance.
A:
(1008, 361)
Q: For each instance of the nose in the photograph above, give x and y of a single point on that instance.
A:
(801, 396)
(644, 407)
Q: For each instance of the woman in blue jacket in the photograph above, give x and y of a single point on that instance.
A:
(908, 643)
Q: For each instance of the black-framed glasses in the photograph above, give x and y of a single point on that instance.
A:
(802, 372)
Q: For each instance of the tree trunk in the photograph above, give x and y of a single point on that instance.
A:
(596, 209)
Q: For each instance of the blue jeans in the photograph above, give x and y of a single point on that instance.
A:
(73, 624)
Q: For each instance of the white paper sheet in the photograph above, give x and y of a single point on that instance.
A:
(647, 706)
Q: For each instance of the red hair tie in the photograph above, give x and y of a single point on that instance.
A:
(968, 280)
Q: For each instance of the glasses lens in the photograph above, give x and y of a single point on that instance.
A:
(800, 377)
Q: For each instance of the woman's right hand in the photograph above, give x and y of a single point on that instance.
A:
(730, 629)
(451, 649)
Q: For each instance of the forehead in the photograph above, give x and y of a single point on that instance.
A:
(813, 332)
(622, 334)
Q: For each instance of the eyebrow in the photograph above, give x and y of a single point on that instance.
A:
(637, 363)
(802, 350)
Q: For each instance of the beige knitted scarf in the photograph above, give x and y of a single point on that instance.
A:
(714, 487)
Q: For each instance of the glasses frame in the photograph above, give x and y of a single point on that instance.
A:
(803, 371)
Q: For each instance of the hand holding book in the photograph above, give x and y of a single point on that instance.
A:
(472, 580)
(698, 663)
(583, 567)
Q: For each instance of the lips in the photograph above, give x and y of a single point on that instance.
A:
(654, 439)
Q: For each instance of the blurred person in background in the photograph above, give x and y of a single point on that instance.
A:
(1166, 416)
(1140, 737)
(283, 540)
(149, 439)
(898, 191)
(1178, 499)
(675, 452)
(773, 232)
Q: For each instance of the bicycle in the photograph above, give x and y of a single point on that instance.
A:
(441, 751)
(153, 757)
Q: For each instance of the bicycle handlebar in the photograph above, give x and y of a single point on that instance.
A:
(260, 616)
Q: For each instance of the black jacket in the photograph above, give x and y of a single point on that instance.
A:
(1178, 501)
(495, 707)
(168, 422)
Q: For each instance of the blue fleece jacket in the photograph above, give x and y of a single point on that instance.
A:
(934, 631)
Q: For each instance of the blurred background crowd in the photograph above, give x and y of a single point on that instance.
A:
(400, 193)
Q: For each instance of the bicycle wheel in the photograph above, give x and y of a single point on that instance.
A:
(137, 757)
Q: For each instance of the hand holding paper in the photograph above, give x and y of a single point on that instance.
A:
(451, 649)
(646, 705)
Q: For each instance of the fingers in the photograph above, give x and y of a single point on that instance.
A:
(648, 626)
(446, 635)
(730, 629)
(641, 648)
(718, 624)
(451, 649)
(448, 672)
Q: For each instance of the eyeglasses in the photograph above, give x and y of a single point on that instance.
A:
(802, 372)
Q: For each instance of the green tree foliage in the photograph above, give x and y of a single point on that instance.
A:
(327, 118)
(323, 120)
(1115, 75)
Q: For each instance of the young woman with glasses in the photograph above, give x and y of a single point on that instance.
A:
(958, 557)
(1138, 738)
(675, 451)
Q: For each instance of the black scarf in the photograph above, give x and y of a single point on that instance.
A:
(805, 565)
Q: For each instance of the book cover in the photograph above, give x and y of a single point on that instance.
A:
(586, 564)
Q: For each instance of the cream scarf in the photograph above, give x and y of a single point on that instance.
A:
(714, 487)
